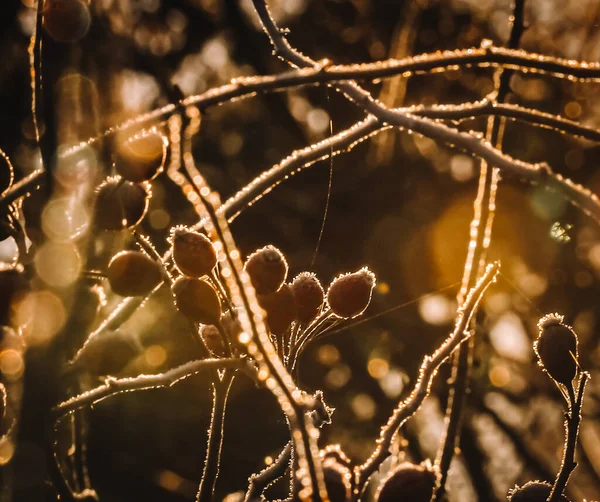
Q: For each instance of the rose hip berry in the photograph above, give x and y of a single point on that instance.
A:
(120, 204)
(212, 338)
(133, 273)
(197, 300)
(309, 296)
(556, 348)
(267, 269)
(280, 307)
(193, 252)
(410, 482)
(141, 158)
(350, 294)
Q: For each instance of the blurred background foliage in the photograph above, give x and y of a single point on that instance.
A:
(399, 203)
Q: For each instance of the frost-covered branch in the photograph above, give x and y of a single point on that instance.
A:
(572, 421)
(169, 378)
(427, 372)
(489, 107)
(480, 237)
(485, 56)
(541, 173)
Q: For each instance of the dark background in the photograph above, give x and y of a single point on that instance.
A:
(402, 206)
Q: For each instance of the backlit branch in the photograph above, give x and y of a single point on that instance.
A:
(169, 378)
(429, 368)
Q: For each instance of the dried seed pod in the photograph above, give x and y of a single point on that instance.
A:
(120, 204)
(193, 252)
(67, 20)
(132, 273)
(141, 158)
(533, 491)
(267, 269)
(309, 296)
(350, 294)
(280, 307)
(408, 482)
(212, 338)
(197, 300)
(556, 348)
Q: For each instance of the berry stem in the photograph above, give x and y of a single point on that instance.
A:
(572, 421)
(215, 436)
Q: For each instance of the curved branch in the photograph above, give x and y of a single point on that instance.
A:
(422, 387)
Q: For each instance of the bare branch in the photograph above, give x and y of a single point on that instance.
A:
(484, 209)
(485, 56)
(428, 370)
(169, 378)
(541, 173)
(488, 107)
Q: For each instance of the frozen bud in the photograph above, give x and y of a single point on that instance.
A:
(197, 300)
(120, 204)
(349, 294)
(141, 158)
(193, 252)
(556, 348)
(133, 273)
(212, 339)
(534, 491)
(267, 269)
(309, 296)
(280, 307)
(410, 482)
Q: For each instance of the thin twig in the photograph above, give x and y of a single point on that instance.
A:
(485, 56)
(169, 378)
(427, 372)
(513, 111)
(481, 232)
